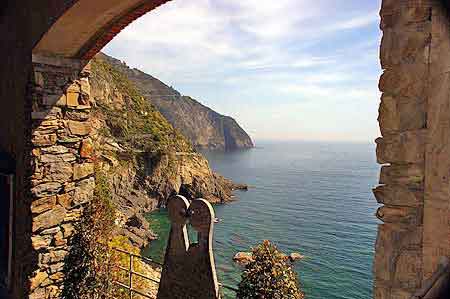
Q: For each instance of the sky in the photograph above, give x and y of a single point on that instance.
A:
(285, 69)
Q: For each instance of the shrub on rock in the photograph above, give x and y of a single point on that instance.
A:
(269, 275)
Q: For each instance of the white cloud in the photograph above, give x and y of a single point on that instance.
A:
(359, 21)
(231, 52)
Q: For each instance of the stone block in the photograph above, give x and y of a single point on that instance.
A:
(48, 124)
(37, 280)
(83, 107)
(73, 88)
(65, 200)
(86, 149)
(411, 175)
(56, 149)
(436, 239)
(46, 189)
(74, 215)
(59, 239)
(57, 277)
(408, 272)
(68, 140)
(398, 195)
(38, 242)
(72, 99)
(405, 47)
(54, 268)
(51, 231)
(68, 230)
(399, 293)
(43, 204)
(406, 81)
(58, 172)
(400, 215)
(36, 152)
(406, 147)
(380, 291)
(440, 43)
(398, 244)
(79, 128)
(53, 158)
(77, 115)
(49, 219)
(437, 184)
(401, 14)
(44, 140)
(401, 114)
(81, 171)
(52, 257)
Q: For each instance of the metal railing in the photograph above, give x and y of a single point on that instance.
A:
(131, 273)
(438, 285)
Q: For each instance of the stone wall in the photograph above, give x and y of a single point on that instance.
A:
(414, 119)
(61, 165)
(436, 236)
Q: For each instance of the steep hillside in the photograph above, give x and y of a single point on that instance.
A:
(205, 128)
(145, 158)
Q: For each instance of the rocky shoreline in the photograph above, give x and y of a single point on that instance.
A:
(145, 159)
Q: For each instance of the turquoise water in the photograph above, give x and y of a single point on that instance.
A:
(308, 197)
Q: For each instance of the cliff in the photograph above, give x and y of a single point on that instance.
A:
(205, 128)
(145, 158)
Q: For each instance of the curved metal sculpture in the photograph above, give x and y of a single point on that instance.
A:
(189, 271)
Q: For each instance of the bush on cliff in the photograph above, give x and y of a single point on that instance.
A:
(92, 264)
(86, 266)
(269, 275)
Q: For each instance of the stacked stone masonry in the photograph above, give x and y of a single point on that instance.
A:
(436, 236)
(62, 180)
(404, 55)
(414, 149)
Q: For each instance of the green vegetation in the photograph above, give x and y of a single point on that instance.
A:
(269, 275)
(92, 264)
(137, 123)
(88, 260)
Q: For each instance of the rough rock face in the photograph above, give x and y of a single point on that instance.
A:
(207, 130)
(187, 174)
(145, 158)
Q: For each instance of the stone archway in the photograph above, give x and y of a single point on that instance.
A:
(414, 121)
(84, 29)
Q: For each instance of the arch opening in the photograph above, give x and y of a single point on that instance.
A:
(109, 18)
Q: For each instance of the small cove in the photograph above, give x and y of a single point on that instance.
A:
(309, 197)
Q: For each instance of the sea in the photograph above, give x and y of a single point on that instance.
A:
(313, 198)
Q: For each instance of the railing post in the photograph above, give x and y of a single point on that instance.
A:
(131, 276)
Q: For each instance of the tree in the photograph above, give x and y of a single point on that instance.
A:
(269, 276)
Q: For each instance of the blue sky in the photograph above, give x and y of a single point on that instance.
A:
(285, 69)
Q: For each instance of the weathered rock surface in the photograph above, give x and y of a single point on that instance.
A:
(243, 258)
(295, 256)
(146, 160)
(205, 128)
